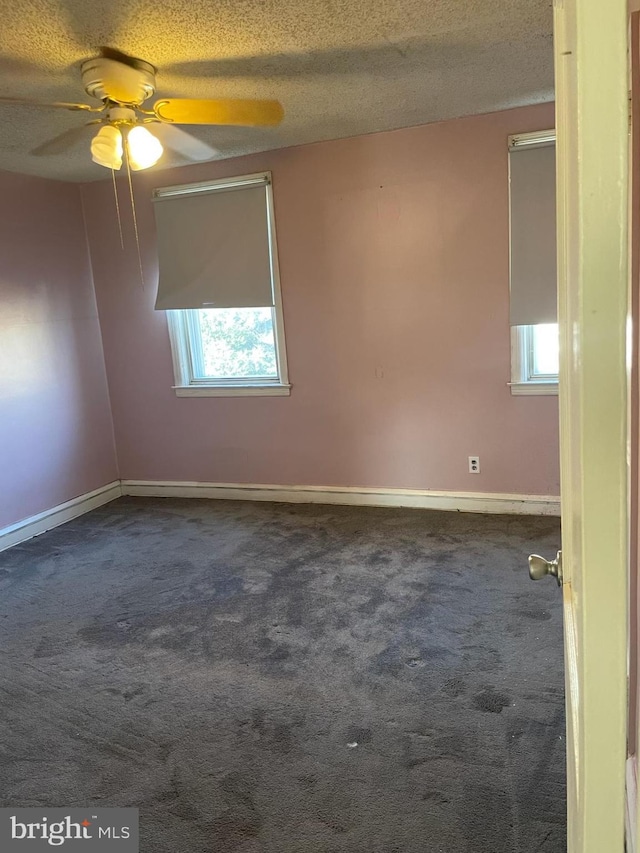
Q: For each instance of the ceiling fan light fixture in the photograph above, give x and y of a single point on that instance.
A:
(123, 84)
(106, 147)
(143, 148)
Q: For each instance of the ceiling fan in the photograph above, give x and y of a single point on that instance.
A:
(125, 130)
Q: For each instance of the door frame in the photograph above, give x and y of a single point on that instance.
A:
(591, 66)
(634, 426)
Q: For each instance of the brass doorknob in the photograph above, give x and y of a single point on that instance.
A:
(540, 568)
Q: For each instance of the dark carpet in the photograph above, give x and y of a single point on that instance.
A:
(263, 678)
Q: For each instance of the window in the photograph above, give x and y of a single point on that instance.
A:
(534, 359)
(219, 286)
(533, 287)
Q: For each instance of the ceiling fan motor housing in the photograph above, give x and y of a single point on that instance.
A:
(109, 80)
(121, 115)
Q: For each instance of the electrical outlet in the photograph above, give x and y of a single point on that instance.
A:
(474, 464)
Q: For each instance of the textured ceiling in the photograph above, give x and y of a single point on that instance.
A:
(340, 67)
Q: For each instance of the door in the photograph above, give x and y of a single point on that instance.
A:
(592, 139)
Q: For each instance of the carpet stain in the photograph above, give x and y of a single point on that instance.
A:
(490, 701)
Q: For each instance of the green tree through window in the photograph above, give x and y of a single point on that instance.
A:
(238, 342)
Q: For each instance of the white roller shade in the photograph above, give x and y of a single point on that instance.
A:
(213, 245)
(532, 171)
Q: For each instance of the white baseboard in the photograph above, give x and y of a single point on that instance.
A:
(355, 496)
(43, 521)
(632, 808)
(417, 498)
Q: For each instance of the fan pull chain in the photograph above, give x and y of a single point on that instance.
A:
(133, 212)
(115, 195)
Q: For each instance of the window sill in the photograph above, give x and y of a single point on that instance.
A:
(232, 390)
(534, 388)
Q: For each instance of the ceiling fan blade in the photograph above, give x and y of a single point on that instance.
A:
(66, 140)
(178, 140)
(249, 113)
(28, 102)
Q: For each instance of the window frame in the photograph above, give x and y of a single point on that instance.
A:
(182, 323)
(523, 382)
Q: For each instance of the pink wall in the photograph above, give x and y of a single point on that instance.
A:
(393, 253)
(56, 436)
